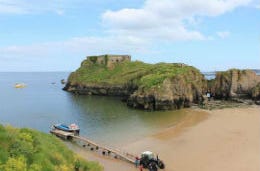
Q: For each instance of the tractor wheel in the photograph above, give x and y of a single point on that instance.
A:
(161, 165)
(153, 166)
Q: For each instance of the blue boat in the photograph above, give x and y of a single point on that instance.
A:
(68, 128)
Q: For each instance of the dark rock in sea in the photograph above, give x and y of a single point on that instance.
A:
(63, 81)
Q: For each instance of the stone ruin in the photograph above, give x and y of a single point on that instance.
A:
(108, 60)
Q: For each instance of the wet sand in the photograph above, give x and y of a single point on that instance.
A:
(226, 140)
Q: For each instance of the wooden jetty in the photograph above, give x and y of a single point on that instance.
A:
(62, 134)
(118, 154)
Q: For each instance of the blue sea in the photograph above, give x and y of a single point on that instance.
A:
(104, 119)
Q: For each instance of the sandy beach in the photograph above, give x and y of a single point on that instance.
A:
(225, 139)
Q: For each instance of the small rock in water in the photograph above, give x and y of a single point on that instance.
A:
(63, 81)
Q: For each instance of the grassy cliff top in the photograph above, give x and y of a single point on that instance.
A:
(138, 73)
(29, 150)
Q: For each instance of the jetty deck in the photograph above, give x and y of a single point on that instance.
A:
(93, 146)
(62, 134)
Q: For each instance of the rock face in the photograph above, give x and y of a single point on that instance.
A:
(256, 92)
(103, 90)
(174, 93)
(145, 86)
(235, 84)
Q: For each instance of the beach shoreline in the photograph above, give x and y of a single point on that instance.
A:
(223, 139)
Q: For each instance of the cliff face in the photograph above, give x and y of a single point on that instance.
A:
(151, 87)
(235, 84)
(104, 90)
(174, 93)
(256, 92)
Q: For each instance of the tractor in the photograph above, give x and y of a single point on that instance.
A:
(148, 160)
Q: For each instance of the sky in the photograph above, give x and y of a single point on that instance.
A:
(57, 35)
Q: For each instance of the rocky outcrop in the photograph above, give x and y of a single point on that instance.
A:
(235, 83)
(174, 93)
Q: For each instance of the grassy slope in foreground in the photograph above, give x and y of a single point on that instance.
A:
(29, 150)
(141, 74)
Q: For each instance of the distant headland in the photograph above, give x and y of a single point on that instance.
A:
(161, 86)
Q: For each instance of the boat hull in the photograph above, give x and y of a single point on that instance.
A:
(66, 128)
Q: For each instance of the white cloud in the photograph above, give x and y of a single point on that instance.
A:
(167, 19)
(39, 6)
(60, 12)
(156, 20)
(13, 7)
(223, 34)
(54, 56)
(128, 31)
(22, 6)
(85, 45)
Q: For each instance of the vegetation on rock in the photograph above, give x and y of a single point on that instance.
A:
(142, 74)
(29, 150)
(145, 81)
(91, 74)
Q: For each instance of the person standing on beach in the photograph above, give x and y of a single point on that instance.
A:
(136, 161)
(208, 95)
(141, 167)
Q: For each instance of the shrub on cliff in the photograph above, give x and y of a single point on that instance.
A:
(28, 150)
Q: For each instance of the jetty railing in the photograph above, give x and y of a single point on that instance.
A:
(85, 142)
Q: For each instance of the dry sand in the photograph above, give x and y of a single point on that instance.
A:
(222, 140)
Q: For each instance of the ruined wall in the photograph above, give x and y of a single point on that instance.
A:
(113, 59)
(109, 60)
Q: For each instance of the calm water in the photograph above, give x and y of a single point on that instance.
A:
(103, 119)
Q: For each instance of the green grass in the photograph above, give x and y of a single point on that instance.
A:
(141, 74)
(29, 150)
(120, 74)
(162, 71)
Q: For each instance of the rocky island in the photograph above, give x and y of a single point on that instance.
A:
(146, 86)
(162, 86)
